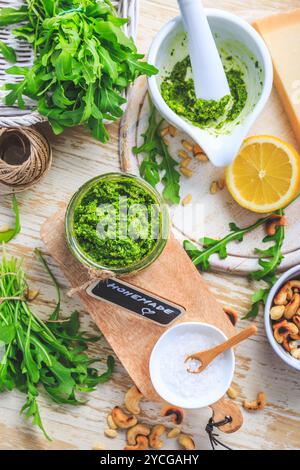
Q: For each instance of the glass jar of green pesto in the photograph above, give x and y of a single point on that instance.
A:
(117, 222)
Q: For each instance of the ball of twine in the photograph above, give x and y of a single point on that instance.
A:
(25, 156)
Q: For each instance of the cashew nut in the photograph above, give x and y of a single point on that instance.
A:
(98, 447)
(258, 404)
(174, 433)
(132, 400)
(296, 320)
(186, 441)
(283, 295)
(292, 308)
(141, 444)
(293, 330)
(232, 314)
(286, 345)
(275, 221)
(156, 432)
(296, 353)
(111, 423)
(281, 331)
(295, 337)
(176, 413)
(121, 419)
(112, 433)
(294, 344)
(276, 313)
(137, 430)
(294, 284)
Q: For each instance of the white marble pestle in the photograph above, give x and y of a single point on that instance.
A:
(208, 72)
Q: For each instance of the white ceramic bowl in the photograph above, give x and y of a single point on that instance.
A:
(232, 30)
(293, 273)
(214, 393)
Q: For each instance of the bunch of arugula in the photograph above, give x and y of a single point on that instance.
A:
(269, 259)
(38, 354)
(83, 62)
(154, 150)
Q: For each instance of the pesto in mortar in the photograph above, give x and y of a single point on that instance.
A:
(178, 91)
(116, 221)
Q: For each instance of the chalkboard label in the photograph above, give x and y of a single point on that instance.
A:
(138, 301)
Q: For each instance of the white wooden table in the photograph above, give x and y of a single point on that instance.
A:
(78, 157)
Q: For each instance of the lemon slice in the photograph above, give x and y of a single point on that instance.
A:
(265, 175)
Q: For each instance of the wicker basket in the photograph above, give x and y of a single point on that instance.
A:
(13, 116)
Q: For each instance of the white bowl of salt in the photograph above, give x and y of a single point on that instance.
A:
(169, 372)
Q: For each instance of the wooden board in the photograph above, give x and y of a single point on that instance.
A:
(209, 215)
(172, 277)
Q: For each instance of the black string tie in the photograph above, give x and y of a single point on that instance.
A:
(213, 437)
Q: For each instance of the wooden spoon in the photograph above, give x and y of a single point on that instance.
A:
(206, 357)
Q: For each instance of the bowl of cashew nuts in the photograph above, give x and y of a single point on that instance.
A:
(282, 317)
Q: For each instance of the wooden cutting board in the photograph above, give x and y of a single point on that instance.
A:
(172, 277)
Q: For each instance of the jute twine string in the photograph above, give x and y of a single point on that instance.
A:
(34, 164)
(94, 275)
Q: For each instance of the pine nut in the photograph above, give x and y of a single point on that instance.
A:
(214, 187)
(221, 183)
(183, 154)
(186, 172)
(185, 162)
(187, 200)
(166, 142)
(32, 294)
(232, 393)
(201, 157)
(197, 149)
(172, 131)
(187, 145)
(164, 132)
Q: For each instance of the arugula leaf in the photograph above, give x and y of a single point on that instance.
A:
(258, 298)
(5, 237)
(7, 52)
(269, 261)
(55, 314)
(154, 147)
(10, 16)
(271, 258)
(149, 169)
(201, 258)
(171, 176)
(7, 334)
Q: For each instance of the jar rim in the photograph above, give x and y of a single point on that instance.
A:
(82, 256)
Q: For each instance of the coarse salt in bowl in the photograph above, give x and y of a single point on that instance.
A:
(169, 374)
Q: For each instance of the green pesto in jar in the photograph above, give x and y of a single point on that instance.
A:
(129, 219)
(178, 91)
